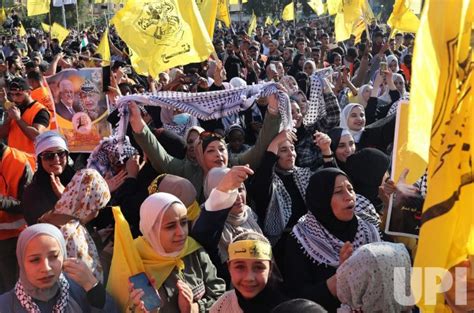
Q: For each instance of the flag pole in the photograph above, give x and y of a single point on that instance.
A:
(77, 16)
(63, 11)
(240, 13)
(294, 7)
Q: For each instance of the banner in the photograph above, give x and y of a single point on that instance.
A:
(81, 107)
(37, 7)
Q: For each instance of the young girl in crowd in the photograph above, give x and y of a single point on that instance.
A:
(250, 267)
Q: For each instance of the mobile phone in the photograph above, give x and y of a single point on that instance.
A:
(383, 67)
(151, 299)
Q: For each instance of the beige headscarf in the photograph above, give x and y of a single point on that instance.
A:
(84, 196)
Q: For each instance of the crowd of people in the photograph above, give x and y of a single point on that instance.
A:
(234, 214)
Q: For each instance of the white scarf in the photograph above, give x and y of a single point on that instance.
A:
(227, 303)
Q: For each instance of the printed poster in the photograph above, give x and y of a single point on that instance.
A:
(81, 107)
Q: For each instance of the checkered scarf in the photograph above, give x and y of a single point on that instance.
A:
(111, 151)
(208, 105)
(31, 307)
(316, 104)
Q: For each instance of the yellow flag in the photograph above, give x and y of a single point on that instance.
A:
(37, 7)
(3, 15)
(59, 32)
(402, 18)
(237, 1)
(357, 9)
(317, 6)
(46, 27)
(164, 41)
(268, 21)
(126, 261)
(442, 53)
(276, 21)
(22, 31)
(357, 30)
(334, 6)
(208, 9)
(252, 24)
(342, 29)
(288, 13)
(104, 48)
(223, 12)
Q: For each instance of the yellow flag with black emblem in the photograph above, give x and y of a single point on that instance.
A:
(208, 9)
(163, 34)
(317, 6)
(443, 53)
(402, 18)
(223, 12)
(37, 7)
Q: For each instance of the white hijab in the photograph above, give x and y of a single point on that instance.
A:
(356, 134)
(152, 211)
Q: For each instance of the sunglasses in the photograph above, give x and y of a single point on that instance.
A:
(209, 134)
(49, 156)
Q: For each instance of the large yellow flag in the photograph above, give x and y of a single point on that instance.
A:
(317, 6)
(357, 9)
(126, 261)
(443, 54)
(252, 24)
(37, 7)
(402, 18)
(342, 29)
(223, 12)
(208, 9)
(288, 13)
(59, 32)
(334, 6)
(104, 48)
(268, 21)
(164, 34)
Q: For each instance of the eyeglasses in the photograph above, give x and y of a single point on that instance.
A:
(49, 156)
(209, 134)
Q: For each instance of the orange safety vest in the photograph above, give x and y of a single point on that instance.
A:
(16, 138)
(12, 167)
(42, 95)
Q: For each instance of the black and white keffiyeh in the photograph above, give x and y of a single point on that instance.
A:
(366, 211)
(316, 104)
(31, 307)
(322, 246)
(111, 151)
(208, 105)
(279, 208)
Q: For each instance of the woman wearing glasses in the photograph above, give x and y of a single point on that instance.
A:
(210, 148)
(51, 177)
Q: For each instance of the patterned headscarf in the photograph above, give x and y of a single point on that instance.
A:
(111, 152)
(83, 197)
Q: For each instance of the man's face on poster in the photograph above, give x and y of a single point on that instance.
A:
(66, 90)
(90, 100)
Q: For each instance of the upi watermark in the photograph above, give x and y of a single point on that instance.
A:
(435, 281)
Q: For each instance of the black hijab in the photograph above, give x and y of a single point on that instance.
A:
(335, 134)
(264, 302)
(318, 200)
(366, 169)
(296, 68)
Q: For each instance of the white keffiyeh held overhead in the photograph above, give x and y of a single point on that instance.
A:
(208, 105)
(316, 104)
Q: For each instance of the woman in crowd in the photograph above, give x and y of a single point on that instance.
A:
(225, 214)
(324, 238)
(50, 282)
(83, 198)
(181, 270)
(48, 182)
(210, 148)
(250, 266)
(342, 145)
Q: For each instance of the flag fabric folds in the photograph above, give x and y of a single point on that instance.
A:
(208, 9)
(104, 49)
(37, 7)
(288, 13)
(334, 6)
(46, 27)
(162, 41)
(317, 6)
(442, 53)
(59, 32)
(3, 15)
(22, 31)
(402, 18)
(223, 12)
(126, 261)
(268, 21)
(252, 24)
